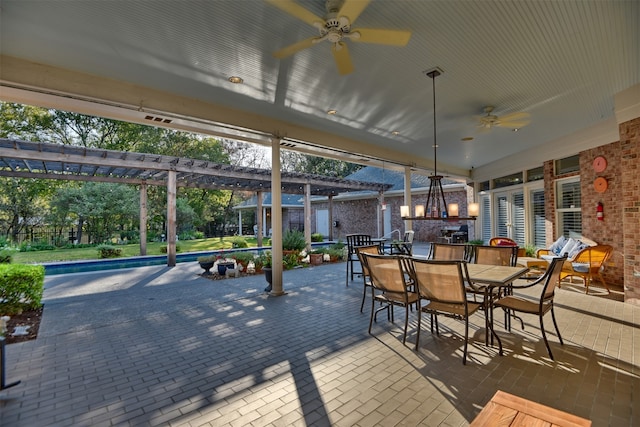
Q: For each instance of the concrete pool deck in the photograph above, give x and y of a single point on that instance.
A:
(164, 346)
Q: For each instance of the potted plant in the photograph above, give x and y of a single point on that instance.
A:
(264, 260)
(242, 258)
(206, 263)
(293, 241)
(316, 256)
(224, 264)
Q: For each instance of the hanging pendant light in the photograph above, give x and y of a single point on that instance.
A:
(436, 206)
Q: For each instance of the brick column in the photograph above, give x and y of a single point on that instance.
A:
(630, 168)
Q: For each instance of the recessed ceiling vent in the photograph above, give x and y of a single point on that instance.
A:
(157, 119)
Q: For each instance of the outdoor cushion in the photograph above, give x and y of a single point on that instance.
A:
(568, 247)
(577, 248)
(558, 245)
(580, 267)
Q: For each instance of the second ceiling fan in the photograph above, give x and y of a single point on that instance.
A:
(511, 120)
(336, 28)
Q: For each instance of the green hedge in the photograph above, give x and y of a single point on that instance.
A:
(21, 287)
(108, 251)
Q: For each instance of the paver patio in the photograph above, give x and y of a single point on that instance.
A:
(163, 346)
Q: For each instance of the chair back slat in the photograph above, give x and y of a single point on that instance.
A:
(551, 278)
(441, 281)
(355, 240)
(496, 255)
(448, 252)
(371, 249)
(386, 272)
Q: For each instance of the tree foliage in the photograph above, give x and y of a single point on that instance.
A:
(298, 162)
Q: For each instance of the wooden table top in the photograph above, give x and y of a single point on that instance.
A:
(505, 409)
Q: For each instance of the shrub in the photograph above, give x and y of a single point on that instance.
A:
(21, 287)
(36, 245)
(163, 248)
(289, 261)
(108, 251)
(336, 254)
(317, 237)
(5, 256)
(293, 240)
(207, 258)
(263, 260)
(338, 245)
(239, 242)
(4, 242)
(243, 258)
(479, 242)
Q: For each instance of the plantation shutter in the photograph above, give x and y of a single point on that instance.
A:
(503, 216)
(538, 221)
(518, 219)
(485, 207)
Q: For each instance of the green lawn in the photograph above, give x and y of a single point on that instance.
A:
(153, 248)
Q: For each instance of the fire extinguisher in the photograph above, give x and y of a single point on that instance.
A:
(600, 212)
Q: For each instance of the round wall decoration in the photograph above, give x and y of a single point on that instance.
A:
(599, 164)
(600, 184)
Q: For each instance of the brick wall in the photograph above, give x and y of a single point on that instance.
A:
(610, 230)
(360, 216)
(621, 201)
(630, 211)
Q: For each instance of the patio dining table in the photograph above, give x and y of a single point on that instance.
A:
(490, 277)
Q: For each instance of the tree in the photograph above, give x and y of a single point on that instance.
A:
(304, 163)
(23, 203)
(103, 207)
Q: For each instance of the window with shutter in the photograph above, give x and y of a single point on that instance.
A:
(568, 207)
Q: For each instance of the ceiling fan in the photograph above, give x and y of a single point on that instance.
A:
(336, 29)
(511, 120)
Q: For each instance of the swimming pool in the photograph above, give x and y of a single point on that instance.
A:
(52, 268)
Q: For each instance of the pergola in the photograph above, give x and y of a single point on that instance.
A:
(24, 159)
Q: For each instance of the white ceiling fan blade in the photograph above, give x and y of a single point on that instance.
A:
(353, 8)
(294, 9)
(514, 120)
(342, 58)
(515, 117)
(513, 124)
(382, 36)
(296, 47)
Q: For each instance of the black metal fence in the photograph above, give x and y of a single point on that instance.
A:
(51, 236)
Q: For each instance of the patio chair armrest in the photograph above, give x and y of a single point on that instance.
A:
(541, 252)
(523, 286)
